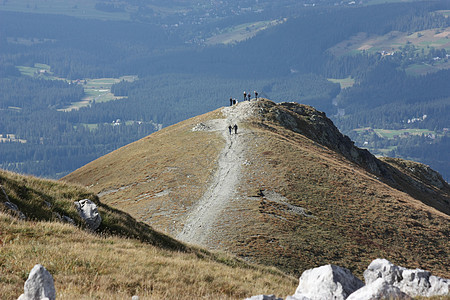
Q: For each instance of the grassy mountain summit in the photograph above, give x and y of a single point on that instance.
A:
(286, 190)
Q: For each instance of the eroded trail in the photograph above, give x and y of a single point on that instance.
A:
(203, 215)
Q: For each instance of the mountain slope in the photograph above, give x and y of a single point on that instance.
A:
(288, 190)
(124, 258)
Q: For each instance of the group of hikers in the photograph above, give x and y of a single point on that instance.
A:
(247, 97)
(230, 128)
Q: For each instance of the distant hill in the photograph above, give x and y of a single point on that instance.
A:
(123, 258)
(288, 190)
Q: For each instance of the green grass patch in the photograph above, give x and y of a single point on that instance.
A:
(39, 70)
(419, 69)
(95, 89)
(344, 82)
(394, 41)
(422, 69)
(391, 134)
(241, 32)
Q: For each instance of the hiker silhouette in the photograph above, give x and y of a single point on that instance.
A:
(235, 128)
(229, 128)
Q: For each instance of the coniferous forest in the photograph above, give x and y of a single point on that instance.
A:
(392, 98)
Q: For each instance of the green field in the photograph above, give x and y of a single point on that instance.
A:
(344, 82)
(241, 32)
(38, 70)
(391, 134)
(95, 89)
(423, 69)
(98, 90)
(74, 8)
(392, 41)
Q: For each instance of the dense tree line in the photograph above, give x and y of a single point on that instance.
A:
(387, 97)
(429, 149)
(31, 94)
(78, 48)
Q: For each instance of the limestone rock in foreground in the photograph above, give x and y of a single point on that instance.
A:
(39, 285)
(384, 280)
(326, 282)
(412, 282)
(89, 213)
(379, 289)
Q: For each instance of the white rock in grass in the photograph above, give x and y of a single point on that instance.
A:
(382, 268)
(412, 282)
(39, 285)
(89, 213)
(327, 282)
(379, 289)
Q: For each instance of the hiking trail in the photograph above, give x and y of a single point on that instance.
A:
(203, 215)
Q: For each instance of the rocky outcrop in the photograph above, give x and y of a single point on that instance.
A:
(89, 213)
(412, 282)
(383, 279)
(39, 285)
(379, 289)
(315, 125)
(326, 282)
(419, 181)
(14, 209)
(11, 206)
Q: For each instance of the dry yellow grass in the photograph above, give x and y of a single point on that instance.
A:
(357, 216)
(164, 173)
(88, 266)
(122, 259)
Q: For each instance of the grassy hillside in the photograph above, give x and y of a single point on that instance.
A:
(135, 261)
(306, 197)
(160, 175)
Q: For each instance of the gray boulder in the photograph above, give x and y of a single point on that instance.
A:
(89, 213)
(412, 282)
(379, 289)
(326, 282)
(39, 285)
(15, 209)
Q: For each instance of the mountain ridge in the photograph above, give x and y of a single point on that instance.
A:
(305, 195)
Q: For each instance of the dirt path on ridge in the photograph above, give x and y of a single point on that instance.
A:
(203, 215)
